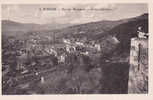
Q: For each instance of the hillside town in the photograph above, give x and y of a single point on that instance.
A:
(34, 55)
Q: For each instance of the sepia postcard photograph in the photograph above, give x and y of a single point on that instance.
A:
(92, 48)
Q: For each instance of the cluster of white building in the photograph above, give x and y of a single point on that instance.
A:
(72, 46)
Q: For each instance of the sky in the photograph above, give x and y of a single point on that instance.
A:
(70, 13)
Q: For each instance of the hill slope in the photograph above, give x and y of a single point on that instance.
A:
(96, 30)
(124, 32)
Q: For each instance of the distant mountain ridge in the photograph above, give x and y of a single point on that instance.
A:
(93, 29)
(12, 26)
